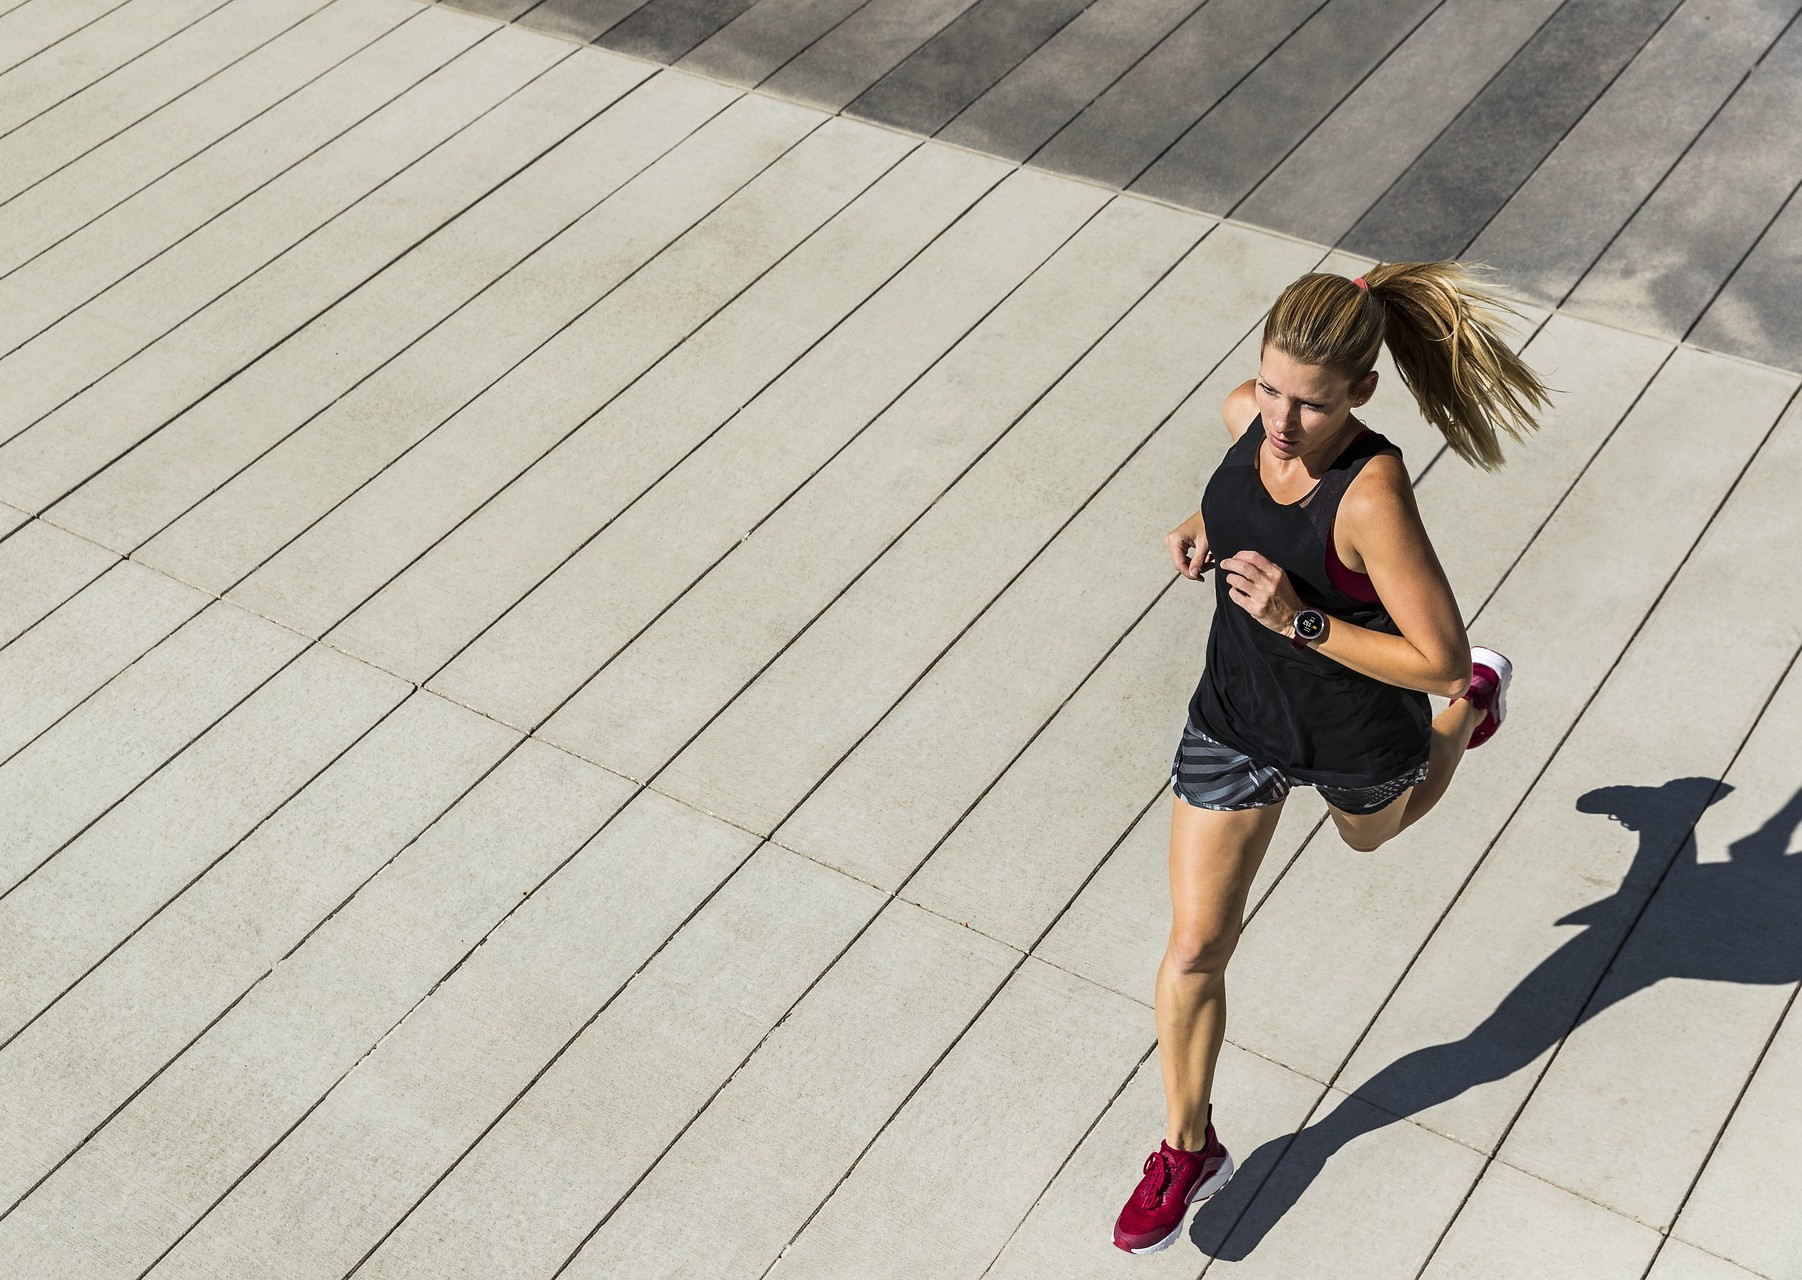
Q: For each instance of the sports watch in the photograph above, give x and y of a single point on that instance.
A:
(1309, 626)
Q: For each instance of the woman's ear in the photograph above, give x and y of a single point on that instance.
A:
(1363, 389)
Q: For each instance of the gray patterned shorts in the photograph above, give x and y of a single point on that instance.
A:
(1211, 775)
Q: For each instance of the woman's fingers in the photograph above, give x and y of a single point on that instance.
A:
(1189, 557)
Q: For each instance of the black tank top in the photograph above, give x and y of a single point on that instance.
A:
(1316, 720)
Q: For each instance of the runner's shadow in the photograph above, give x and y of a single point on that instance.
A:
(1733, 921)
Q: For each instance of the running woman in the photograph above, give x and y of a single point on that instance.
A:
(1333, 621)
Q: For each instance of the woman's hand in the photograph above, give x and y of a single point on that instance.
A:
(1188, 544)
(1261, 589)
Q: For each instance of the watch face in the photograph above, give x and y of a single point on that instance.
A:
(1310, 624)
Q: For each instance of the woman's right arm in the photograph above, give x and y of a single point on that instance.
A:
(1240, 408)
(1188, 542)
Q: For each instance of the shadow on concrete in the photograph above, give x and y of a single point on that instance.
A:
(1732, 921)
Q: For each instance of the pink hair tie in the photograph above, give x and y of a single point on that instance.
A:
(1360, 283)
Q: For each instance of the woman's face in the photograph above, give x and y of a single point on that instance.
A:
(1305, 405)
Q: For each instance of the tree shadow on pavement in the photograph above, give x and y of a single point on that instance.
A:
(1732, 921)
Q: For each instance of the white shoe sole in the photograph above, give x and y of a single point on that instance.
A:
(1203, 1192)
(1504, 672)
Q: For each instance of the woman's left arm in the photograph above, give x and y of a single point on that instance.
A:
(1381, 521)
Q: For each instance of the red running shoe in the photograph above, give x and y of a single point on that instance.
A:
(1490, 673)
(1174, 1180)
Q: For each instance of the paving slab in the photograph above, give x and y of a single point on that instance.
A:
(1053, 85)
(353, 552)
(1069, 1231)
(88, 261)
(1445, 198)
(664, 30)
(1627, 1113)
(1752, 316)
(40, 567)
(43, 145)
(860, 50)
(546, 646)
(1246, 134)
(1516, 1226)
(765, 37)
(949, 71)
(429, 613)
(1299, 1204)
(138, 1185)
(581, 20)
(98, 753)
(1666, 266)
(1680, 1261)
(381, 1139)
(93, 636)
(148, 1000)
(531, 1192)
(180, 464)
(42, 25)
(1018, 1080)
(6, 5)
(1742, 1204)
(774, 1142)
(500, 10)
(1550, 863)
(89, 55)
(112, 172)
(1120, 133)
(1353, 156)
(1594, 180)
(532, 110)
(997, 519)
(146, 849)
(84, 346)
(328, 457)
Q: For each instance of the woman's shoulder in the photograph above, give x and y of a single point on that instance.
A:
(1241, 408)
(1380, 489)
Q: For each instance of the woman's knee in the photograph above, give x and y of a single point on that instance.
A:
(1365, 834)
(1362, 841)
(1201, 948)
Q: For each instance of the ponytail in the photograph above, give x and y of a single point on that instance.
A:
(1444, 335)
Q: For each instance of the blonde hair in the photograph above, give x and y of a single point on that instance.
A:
(1442, 331)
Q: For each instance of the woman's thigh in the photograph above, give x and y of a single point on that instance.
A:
(1214, 855)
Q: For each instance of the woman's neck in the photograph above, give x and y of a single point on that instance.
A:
(1316, 457)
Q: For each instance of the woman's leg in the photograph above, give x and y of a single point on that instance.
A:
(1213, 856)
(1450, 738)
